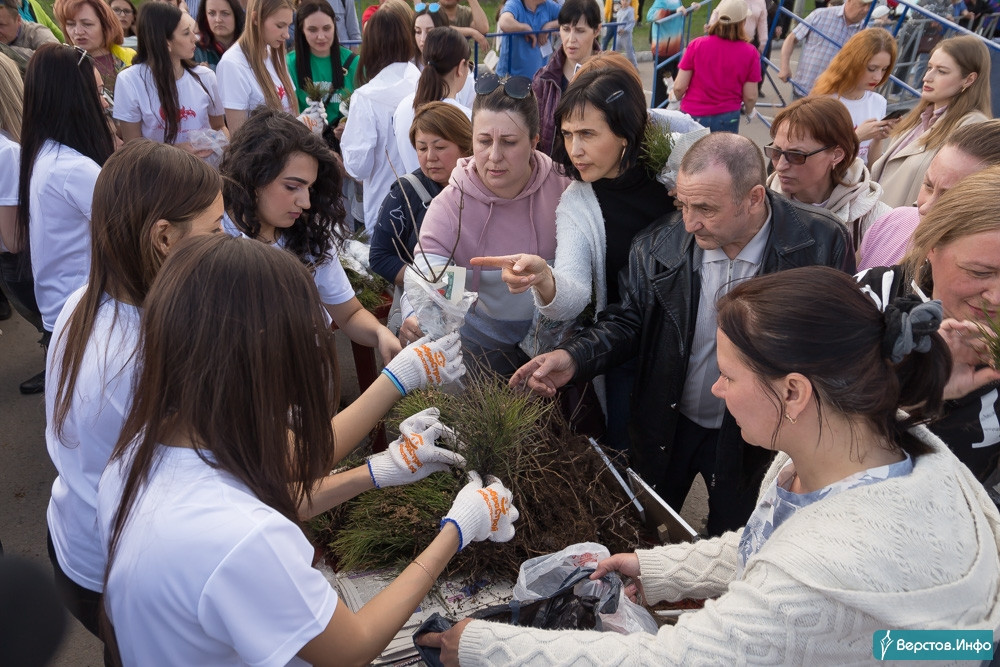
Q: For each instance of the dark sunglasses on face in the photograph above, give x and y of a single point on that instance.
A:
(793, 157)
(517, 87)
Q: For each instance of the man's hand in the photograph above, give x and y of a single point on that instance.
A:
(545, 373)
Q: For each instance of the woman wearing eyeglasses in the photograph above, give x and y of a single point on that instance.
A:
(126, 13)
(91, 25)
(579, 28)
(65, 139)
(814, 150)
(445, 73)
(164, 96)
(956, 93)
(386, 74)
(504, 199)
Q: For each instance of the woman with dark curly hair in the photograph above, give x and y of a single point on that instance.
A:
(281, 184)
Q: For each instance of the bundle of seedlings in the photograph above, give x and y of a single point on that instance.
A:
(554, 476)
(370, 288)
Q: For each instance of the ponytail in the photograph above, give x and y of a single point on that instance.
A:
(444, 50)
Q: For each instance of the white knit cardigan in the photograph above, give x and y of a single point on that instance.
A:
(581, 246)
(911, 552)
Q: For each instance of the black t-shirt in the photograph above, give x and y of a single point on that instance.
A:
(970, 426)
(629, 204)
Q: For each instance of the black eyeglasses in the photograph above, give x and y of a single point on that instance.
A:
(793, 157)
(432, 8)
(517, 87)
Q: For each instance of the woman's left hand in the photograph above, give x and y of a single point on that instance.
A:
(520, 272)
(972, 365)
(446, 641)
(873, 129)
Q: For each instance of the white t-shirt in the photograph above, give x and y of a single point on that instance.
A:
(331, 279)
(369, 135)
(401, 122)
(136, 101)
(871, 105)
(238, 85)
(97, 410)
(207, 574)
(10, 155)
(61, 192)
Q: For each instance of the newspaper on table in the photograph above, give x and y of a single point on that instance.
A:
(452, 598)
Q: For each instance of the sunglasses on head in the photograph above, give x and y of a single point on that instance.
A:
(432, 7)
(793, 157)
(517, 87)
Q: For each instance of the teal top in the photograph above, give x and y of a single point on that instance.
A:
(322, 71)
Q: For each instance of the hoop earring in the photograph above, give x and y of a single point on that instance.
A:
(789, 418)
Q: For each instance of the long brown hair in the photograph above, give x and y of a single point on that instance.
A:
(444, 50)
(258, 406)
(138, 186)
(971, 55)
(255, 50)
(388, 39)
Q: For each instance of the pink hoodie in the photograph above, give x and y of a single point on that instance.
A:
(493, 225)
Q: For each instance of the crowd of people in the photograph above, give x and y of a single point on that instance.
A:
(187, 176)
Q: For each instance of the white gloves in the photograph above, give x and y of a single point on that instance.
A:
(482, 513)
(414, 455)
(427, 362)
(314, 117)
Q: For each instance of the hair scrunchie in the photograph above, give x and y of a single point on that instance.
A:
(909, 323)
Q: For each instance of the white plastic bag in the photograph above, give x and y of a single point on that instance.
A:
(681, 144)
(544, 576)
(207, 139)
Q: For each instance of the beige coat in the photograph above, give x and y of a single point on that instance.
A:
(902, 175)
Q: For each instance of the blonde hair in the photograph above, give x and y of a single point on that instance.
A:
(967, 209)
(971, 55)
(255, 50)
(11, 98)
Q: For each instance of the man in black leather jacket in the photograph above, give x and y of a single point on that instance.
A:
(730, 228)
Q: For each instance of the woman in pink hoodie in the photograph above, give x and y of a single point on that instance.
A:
(500, 201)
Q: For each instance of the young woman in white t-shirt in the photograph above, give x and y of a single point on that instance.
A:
(229, 431)
(164, 96)
(92, 360)
(253, 71)
(861, 67)
(282, 186)
(65, 139)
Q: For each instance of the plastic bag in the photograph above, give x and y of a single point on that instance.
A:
(440, 307)
(207, 139)
(681, 144)
(545, 576)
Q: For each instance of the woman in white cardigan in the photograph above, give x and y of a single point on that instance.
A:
(602, 119)
(858, 520)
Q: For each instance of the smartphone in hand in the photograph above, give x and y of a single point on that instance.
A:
(896, 113)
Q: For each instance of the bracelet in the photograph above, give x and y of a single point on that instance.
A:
(424, 568)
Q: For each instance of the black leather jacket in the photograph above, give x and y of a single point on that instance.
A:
(656, 319)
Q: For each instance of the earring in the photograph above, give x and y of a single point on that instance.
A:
(621, 158)
(789, 418)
